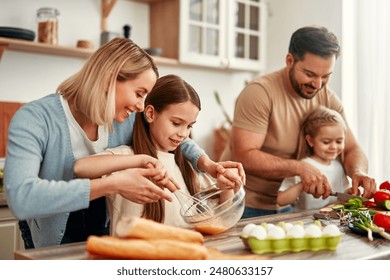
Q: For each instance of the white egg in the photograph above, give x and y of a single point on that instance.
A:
(276, 232)
(268, 226)
(331, 230)
(246, 230)
(313, 230)
(297, 231)
(258, 232)
(287, 226)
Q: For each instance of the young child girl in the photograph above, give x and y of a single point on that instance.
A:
(321, 144)
(171, 109)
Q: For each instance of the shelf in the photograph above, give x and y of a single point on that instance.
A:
(34, 47)
(146, 1)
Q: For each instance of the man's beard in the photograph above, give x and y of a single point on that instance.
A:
(297, 88)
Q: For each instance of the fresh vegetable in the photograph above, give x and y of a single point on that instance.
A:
(386, 204)
(354, 203)
(369, 204)
(364, 221)
(382, 220)
(380, 196)
(385, 185)
(338, 207)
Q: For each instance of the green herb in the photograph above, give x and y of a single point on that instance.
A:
(363, 220)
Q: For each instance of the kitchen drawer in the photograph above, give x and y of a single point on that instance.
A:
(10, 237)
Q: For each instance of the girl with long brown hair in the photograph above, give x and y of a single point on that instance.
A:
(171, 109)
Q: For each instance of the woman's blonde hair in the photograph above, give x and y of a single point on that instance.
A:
(168, 90)
(92, 89)
(317, 118)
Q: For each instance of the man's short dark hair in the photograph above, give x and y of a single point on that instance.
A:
(314, 40)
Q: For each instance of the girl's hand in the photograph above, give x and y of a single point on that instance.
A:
(134, 185)
(226, 179)
(229, 179)
(162, 178)
(314, 182)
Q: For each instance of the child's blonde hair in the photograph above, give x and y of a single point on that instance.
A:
(317, 118)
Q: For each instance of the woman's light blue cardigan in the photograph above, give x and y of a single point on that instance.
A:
(39, 180)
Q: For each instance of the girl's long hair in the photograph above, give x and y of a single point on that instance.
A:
(317, 118)
(92, 89)
(168, 90)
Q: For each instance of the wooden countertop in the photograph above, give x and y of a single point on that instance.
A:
(352, 246)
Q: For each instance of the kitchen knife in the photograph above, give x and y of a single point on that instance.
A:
(345, 196)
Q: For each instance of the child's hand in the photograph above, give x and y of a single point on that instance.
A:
(314, 182)
(226, 179)
(162, 178)
(229, 179)
(238, 176)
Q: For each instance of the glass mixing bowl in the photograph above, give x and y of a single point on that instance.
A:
(213, 210)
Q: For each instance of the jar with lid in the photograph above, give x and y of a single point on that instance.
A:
(48, 25)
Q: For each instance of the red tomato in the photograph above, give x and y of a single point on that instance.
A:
(382, 220)
(385, 185)
(369, 203)
(381, 195)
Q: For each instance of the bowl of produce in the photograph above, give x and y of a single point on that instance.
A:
(213, 210)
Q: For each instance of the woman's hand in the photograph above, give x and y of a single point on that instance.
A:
(134, 184)
(229, 174)
(162, 178)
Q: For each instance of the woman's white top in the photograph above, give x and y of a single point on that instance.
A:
(81, 145)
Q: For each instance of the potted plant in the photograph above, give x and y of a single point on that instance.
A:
(222, 133)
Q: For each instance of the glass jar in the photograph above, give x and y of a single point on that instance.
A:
(48, 25)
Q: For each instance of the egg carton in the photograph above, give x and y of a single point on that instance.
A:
(288, 244)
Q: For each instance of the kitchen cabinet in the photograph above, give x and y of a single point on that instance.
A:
(214, 33)
(7, 111)
(10, 237)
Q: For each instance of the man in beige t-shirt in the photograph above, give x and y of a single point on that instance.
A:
(267, 119)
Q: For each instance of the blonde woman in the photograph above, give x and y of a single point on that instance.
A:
(91, 111)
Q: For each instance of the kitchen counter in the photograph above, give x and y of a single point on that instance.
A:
(352, 246)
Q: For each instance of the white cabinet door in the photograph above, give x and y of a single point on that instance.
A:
(202, 32)
(223, 33)
(246, 34)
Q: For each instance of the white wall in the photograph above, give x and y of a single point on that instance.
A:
(25, 77)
